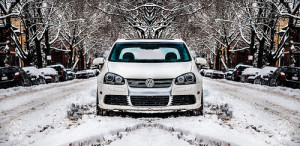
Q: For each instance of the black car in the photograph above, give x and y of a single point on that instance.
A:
(62, 73)
(263, 76)
(71, 74)
(236, 74)
(286, 76)
(14, 76)
(228, 74)
(82, 74)
(35, 74)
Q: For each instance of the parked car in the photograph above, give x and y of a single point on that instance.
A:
(13, 76)
(97, 70)
(238, 71)
(208, 73)
(228, 73)
(217, 74)
(202, 70)
(50, 74)
(248, 75)
(82, 74)
(71, 74)
(149, 76)
(62, 74)
(263, 76)
(92, 73)
(35, 74)
(286, 76)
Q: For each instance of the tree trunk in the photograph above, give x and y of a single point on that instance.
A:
(260, 53)
(47, 43)
(251, 46)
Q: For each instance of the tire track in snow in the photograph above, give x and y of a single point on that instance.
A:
(44, 98)
(173, 133)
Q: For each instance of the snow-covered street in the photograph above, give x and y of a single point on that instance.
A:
(235, 114)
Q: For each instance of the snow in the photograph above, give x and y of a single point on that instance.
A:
(33, 70)
(235, 113)
(266, 70)
(251, 71)
(48, 71)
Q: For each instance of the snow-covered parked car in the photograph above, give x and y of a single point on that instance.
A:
(82, 74)
(91, 72)
(50, 74)
(62, 74)
(202, 70)
(249, 74)
(149, 76)
(35, 74)
(208, 73)
(228, 74)
(216, 74)
(263, 76)
(237, 72)
(71, 74)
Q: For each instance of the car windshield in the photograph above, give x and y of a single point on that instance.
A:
(149, 52)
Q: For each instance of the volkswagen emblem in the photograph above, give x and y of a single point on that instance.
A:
(149, 83)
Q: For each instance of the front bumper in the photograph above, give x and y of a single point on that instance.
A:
(128, 92)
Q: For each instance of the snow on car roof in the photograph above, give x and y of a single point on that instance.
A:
(266, 70)
(249, 71)
(48, 71)
(33, 70)
(149, 40)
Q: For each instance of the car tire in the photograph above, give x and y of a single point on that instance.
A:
(21, 83)
(199, 111)
(97, 107)
(277, 83)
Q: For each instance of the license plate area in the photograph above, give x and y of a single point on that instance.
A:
(294, 78)
(4, 78)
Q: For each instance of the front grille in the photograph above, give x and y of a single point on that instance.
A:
(149, 100)
(115, 100)
(158, 83)
(183, 99)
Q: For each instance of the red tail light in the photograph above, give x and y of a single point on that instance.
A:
(62, 73)
(16, 75)
(282, 75)
(236, 73)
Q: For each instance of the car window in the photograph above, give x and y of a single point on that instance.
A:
(149, 52)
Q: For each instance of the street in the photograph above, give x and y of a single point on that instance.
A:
(234, 114)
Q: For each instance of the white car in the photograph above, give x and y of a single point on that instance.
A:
(149, 76)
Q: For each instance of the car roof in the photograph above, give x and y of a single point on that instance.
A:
(150, 40)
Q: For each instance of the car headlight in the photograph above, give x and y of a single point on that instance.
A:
(185, 79)
(113, 79)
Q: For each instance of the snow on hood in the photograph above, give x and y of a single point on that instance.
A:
(32, 70)
(149, 70)
(266, 70)
(251, 71)
(48, 71)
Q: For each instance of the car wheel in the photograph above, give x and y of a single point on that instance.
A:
(21, 83)
(278, 83)
(97, 107)
(199, 111)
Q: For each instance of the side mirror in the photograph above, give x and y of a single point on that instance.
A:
(98, 61)
(200, 61)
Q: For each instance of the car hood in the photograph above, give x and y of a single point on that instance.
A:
(149, 70)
